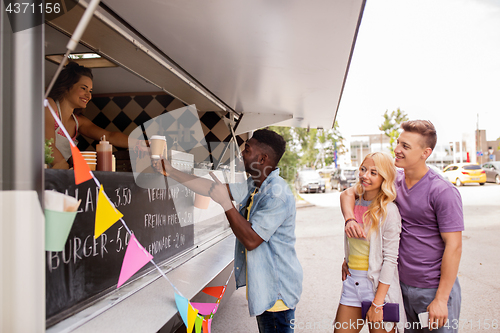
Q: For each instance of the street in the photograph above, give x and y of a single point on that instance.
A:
(320, 250)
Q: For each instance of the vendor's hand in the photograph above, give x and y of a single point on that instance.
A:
(218, 192)
(141, 148)
(375, 315)
(438, 314)
(354, 230)
(345, 271)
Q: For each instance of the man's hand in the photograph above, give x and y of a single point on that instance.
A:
(345, 271)
(162, 166)
(438, 314)
(218, 192)
(354, 230)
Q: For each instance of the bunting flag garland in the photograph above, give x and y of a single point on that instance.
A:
(207, 325)
(106, 214)
(198, 323)
(136, 255)
(182, 306)
(135, 258)
(81, 168)
(217, 292)
(205, 308)
(192, 315)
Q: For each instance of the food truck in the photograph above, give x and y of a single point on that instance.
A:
(231, 67)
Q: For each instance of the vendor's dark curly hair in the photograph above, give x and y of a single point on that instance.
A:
(68, 77)
(273, 141)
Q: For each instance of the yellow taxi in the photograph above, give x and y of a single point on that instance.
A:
(463, 173)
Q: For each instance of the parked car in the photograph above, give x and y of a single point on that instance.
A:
(309, 181)
(492, 170)
(343, 178)
(463, 173)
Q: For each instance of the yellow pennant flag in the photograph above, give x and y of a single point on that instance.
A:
(192, 315)
(106, 215)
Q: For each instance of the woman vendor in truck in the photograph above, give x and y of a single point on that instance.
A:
(69, 96)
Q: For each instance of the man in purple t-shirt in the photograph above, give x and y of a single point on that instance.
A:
(431, 237)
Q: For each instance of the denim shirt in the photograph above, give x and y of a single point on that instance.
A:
(274, 271)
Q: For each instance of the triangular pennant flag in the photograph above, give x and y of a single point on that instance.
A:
(135, 258)
(209, 325)
(205, 326)
(106, 215)
(215, 291)
(192, 314)
(198, 323)
(81, 168)
(215, 309)
(204, 308)
(182, 306)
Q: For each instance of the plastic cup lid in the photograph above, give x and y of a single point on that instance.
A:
(158, 137)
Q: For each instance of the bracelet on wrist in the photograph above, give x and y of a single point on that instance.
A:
(378, 306)
(349, 220)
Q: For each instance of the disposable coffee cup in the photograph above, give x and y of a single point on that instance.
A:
(92, 165)
(201, 201)
(158, 144)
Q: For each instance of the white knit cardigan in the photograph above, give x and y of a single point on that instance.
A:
(383, 259)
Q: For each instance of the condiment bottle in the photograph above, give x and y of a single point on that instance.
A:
(104, 155)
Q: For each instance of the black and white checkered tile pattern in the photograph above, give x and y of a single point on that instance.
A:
(125, 113)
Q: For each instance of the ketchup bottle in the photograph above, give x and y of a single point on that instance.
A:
(104, 155)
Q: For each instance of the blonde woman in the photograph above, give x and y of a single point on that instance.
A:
(372, 261)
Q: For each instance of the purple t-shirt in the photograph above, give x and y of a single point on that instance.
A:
(430, 207)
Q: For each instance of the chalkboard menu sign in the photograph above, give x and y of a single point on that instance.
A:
(89, 268)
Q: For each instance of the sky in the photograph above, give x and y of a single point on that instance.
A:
(434, 59)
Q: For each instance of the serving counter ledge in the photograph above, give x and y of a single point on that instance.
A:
(81, 294)
(148, 304)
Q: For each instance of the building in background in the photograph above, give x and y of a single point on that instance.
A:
(362, 145)
(486, 150)
(473, 148)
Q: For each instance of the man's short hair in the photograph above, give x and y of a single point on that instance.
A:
(424, 128)
(272, 140)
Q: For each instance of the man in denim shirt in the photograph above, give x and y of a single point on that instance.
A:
(264, 226)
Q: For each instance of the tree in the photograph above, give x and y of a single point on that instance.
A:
(288, 163)
(308, 147)
(391, 126)
(307, 139)
(334, 144)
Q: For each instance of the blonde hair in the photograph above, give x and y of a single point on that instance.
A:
(377, 211)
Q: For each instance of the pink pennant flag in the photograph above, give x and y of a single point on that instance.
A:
(135, 258)
(204, 308)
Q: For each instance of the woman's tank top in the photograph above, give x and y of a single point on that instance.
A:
(62, 143)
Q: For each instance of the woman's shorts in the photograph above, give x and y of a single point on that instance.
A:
(356, 288)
